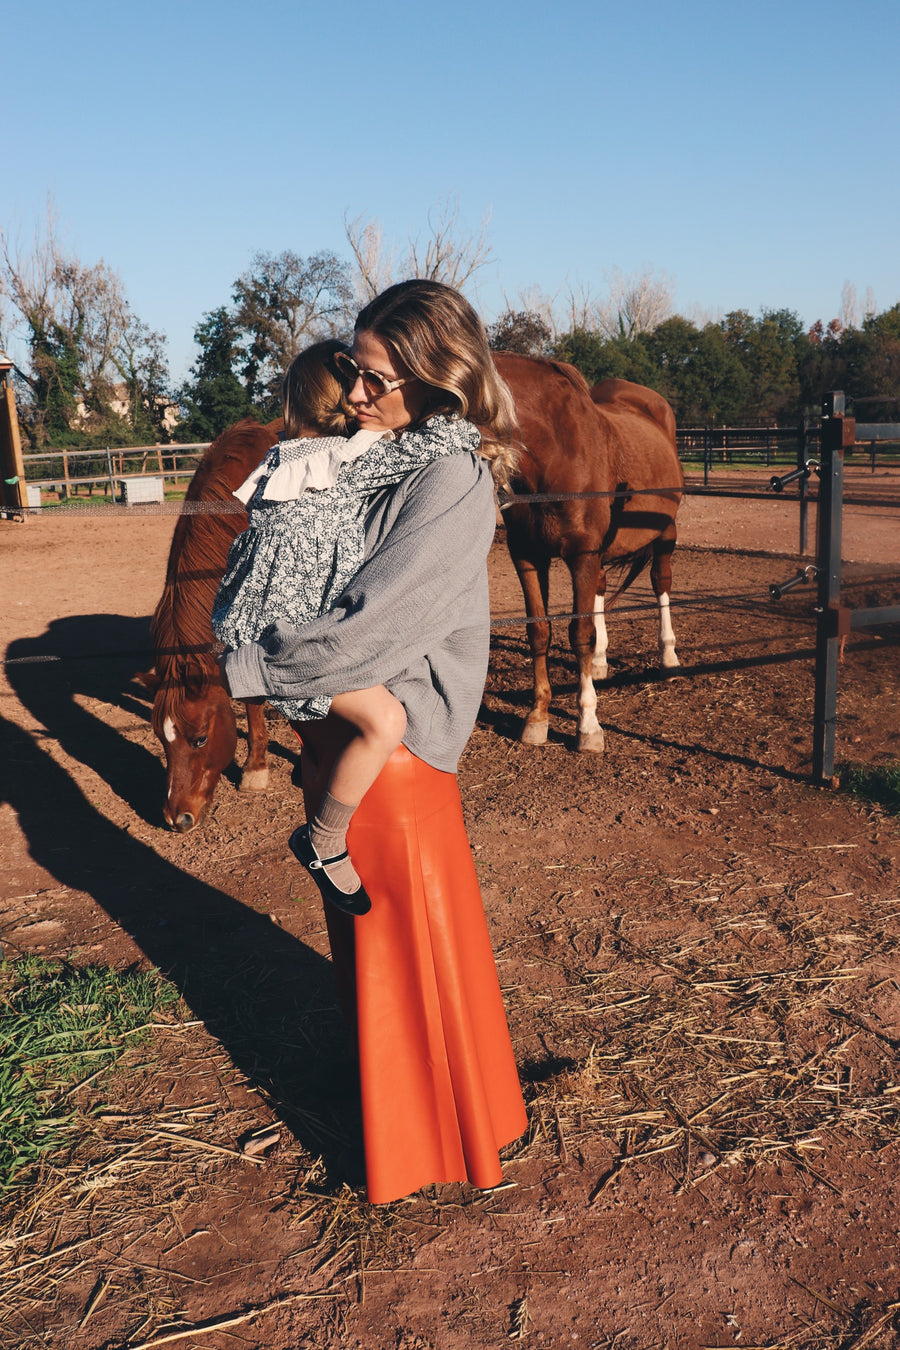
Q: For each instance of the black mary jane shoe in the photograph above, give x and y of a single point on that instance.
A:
(351, 902)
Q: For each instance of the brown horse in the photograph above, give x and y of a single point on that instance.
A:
(622, 442)
(193, 716)
(616, 440)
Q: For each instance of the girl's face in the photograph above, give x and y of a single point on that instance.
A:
(390, 411)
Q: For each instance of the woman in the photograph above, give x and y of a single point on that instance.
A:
(440, 1094)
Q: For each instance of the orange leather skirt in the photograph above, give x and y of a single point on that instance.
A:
(440, 1092)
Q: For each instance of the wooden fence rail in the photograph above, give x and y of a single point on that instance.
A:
(118, 463)
(712, 446)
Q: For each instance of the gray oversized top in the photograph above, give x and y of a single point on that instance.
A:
(415, 618)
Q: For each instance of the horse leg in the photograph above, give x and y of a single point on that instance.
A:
(586, 584)
(255, 773)
(661, 580)
(534, 579)
(599, 665)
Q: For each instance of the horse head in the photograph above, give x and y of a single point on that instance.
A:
(193, 718)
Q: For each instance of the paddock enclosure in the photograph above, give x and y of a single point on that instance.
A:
(697, 950)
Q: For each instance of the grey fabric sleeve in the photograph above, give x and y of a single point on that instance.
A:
(413, 591)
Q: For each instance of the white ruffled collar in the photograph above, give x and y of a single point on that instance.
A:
(307, 464)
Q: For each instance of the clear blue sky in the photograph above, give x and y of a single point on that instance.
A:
(748, 151)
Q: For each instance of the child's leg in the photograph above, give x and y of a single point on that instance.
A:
(380, 723)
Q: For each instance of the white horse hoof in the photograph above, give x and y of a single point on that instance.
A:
(591, 742)
(535, 733)
(599, 670)
(254, 780)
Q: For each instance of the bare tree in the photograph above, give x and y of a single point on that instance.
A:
(94, 310)
(849, 311)
(637, 303)
(445, 254)
(373, 261)
(448, 255)
(582, 310)
(534, 300)
(140, 359)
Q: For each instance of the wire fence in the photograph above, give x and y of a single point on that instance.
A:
(141, 654)
(860, 618)
(236, 508)
(506, 500)
(72, 473)
(745, 490)
(709, 600)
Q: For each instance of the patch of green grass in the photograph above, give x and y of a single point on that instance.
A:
(58, 1026)
(874, 782)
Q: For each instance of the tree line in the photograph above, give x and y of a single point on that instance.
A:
(92, 366)
(745, 370)
(94, 372)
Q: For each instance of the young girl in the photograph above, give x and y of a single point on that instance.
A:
(303, 544)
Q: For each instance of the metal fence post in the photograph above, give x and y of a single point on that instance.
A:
(837, 432)
(707, 455)
(802, 456)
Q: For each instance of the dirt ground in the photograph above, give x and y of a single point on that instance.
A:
(698, 952)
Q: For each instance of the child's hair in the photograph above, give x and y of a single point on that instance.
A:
(312, 396)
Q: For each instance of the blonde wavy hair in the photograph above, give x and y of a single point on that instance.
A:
(440, 339)
(312, 396)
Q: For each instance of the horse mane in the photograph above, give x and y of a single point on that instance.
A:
(183, 639)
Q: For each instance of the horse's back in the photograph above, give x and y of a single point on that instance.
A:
(560, 431)
(618, 396)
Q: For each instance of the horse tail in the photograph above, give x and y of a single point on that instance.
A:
(636, 564)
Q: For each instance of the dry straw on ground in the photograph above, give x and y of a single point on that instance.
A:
(728, 1048)
(720, 1046)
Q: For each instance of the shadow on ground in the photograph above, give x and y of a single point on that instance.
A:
(267, 997)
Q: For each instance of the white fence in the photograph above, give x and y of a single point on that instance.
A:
(131, 472)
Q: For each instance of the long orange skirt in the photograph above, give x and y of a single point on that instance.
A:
(440, 1092)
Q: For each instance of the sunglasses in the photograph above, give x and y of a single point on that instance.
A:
(375, 384)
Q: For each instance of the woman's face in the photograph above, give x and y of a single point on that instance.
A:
(392, 411)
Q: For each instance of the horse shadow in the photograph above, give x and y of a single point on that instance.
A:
(92, 657)
(269, 999)
(504, 712)
(96, 657)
